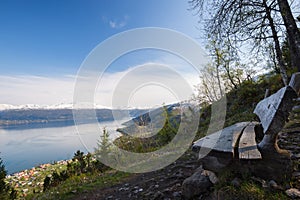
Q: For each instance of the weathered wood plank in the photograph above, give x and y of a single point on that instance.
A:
(223, 141)
(274, 110)
(247, 145)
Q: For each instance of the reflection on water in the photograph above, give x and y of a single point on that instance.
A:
(23, 148)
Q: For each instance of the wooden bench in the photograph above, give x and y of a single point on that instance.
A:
(239, 141)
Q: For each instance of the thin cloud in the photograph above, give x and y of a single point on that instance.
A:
(146, 85)
(17, 90)
(117, 23)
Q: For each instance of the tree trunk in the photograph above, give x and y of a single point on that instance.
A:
(282, 67)
(218, 72)
(292, 32)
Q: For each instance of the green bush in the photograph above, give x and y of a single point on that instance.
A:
(3, 173)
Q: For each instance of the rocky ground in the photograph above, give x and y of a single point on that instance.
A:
(162, 184)
(167, 183)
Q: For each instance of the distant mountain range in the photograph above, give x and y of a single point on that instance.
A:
(62, 115)
(57, 114)
(43, 107)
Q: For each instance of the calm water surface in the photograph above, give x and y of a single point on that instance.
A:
(27, 146)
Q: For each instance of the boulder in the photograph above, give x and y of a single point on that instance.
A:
(196, 184)
(293, 193)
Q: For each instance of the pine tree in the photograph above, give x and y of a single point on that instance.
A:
(3, 174)
(103, 145)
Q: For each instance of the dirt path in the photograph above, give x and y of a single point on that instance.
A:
(161, 184)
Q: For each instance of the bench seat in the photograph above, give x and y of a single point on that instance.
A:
(239, 137)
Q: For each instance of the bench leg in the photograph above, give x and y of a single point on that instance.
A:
(269, 148)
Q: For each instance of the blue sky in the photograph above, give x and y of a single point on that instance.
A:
(51, 38)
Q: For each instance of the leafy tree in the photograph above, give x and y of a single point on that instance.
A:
(208, 90)
(225, 73)
(256, 22)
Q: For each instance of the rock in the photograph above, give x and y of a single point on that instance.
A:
(236, 182)
(260, 181)
(215, 164)
(195, 185)
(148, 194)
(158, 195)
(296, 108)
(296, 174)
(110, 197)
(295, 156)
(135, 191)
(123, 189)
(293, 193)
(212, 176)
(274, 185)
(176, 194)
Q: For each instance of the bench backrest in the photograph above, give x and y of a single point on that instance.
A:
(274, 110)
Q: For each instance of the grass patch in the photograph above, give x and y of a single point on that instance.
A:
(82, 183)
(249, 190)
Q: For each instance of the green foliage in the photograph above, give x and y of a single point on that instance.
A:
(47, 183)
(248, 189)
(137, 145)
(104, 145)
(13, 194)
(159, 139)
(80, 164)
(3, 186)
(167, 133)
(103, 150)
(74, 185)
(79, 156)
(55, 179)
(6, 192)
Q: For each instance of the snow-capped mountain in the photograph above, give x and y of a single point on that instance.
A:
(63, 113)
(67, 106)
(44, 107)
(59, 113)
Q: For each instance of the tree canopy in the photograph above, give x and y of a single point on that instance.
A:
(262, 24)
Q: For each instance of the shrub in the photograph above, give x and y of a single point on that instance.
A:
(3, 186)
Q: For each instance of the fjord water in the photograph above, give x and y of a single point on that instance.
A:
(24, 147)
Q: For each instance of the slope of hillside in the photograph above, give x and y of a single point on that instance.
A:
(167, 182)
